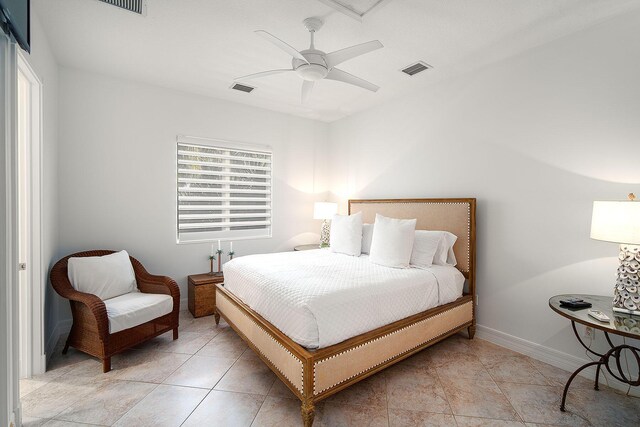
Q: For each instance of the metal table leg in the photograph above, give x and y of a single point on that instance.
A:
(615, 352)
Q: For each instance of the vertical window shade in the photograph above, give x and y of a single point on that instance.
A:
(224, 191)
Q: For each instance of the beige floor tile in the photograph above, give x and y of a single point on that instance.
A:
(462, 366)
(33, 421)
(226, 345)
(247, 376)
(485, 422)
(154, 367)
(329, 414)
(604, 407)
(55, 396)
(205, 324)
(407, 418)
(222, 408)
(478, 398)
(29, 385)
(279, 389)
(52, 372)
(410, 387)
(369, 392)
(166, 406)
(200, 371)
(278, 412)
(187, 342)
(515, 370)
(540, 404)
(92, 368)
(559, 377)
(249, 354)
(60, 361)
(110, 402)
(61, 423)
(486, 351)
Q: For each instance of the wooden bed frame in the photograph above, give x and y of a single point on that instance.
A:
(313, 375)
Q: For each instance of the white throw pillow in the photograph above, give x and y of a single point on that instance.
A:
(106, 276)
(392, 241)
(444, 255)
(425, 246)
(346, 234)
(367, 234)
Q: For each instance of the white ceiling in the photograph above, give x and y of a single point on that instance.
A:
(199, 46)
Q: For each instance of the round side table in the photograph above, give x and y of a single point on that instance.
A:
(626, 325)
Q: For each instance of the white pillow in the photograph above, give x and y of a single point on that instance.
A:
(392, 241)
(367, 234)
(346, 234)
(444, 255)
(425, 246)
(106, 276)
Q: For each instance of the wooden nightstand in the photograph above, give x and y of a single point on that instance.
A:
(202, 294)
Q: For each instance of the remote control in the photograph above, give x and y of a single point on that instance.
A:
(598, 315)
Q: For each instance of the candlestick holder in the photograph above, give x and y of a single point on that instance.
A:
(217, 273)
(211, 258)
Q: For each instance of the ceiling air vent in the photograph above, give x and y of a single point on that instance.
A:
(136, 6)
(242, 88)
(416, 68)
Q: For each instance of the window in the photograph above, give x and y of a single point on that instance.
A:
(224, 190)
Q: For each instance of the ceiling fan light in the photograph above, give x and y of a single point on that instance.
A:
(312, 72)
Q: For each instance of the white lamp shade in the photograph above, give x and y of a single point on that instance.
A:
(324, 210)
(617, 222)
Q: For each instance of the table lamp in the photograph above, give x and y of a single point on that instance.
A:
(324, 211)
(619, 222)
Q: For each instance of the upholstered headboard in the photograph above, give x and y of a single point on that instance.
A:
(454, 215)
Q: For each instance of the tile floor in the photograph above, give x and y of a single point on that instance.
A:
(209, 377)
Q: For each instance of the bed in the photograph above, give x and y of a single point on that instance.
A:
(313, 374)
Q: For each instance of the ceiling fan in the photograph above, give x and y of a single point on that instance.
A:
(313, 64)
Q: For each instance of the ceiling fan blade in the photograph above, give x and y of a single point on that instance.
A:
(307, 87)
(343, 76)
(282, 45)
(339, 56)
(261, 74)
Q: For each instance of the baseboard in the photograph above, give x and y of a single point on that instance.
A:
(184, 303)
(61, 328)
(548, 355)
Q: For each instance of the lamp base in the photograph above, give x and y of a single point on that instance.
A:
(626, 294)
(324, 233)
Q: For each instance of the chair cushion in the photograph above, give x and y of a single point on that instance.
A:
(105, 276)
(136, 308)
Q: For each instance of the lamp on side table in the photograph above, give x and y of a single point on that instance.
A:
(619, 222)
(324, 211)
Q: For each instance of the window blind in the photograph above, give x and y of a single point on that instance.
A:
(224, 191)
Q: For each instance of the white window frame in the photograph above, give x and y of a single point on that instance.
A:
(224, 144)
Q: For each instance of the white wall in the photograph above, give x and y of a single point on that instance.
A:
(44, 64)
(117, 173)
(535, 139)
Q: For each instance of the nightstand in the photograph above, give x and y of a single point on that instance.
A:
(202, 294)
(307, 247)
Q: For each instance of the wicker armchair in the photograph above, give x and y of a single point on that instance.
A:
(90, 330)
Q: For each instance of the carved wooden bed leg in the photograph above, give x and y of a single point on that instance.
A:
(308, 412)
(472, 331)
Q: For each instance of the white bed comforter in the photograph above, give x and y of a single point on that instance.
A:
(319, 298)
